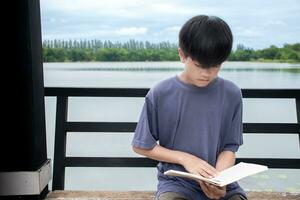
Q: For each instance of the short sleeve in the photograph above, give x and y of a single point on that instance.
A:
(146, 132)
(234, 135)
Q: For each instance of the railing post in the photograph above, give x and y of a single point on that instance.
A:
(298, 116)
(60, 143)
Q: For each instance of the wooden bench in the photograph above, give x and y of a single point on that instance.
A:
(149, 195)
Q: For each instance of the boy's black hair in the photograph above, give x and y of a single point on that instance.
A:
(206, 39)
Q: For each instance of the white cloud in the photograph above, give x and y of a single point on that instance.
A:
(275, 23)
(175, 29)
(167, 34)
(250, 32)
(132, 31)
(125, 8)
(113, 33)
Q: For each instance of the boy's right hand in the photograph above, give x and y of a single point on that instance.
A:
(198, 166)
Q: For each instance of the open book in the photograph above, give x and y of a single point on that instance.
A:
(226, 176)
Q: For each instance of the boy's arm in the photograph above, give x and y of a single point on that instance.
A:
(161, 154)
(225, 160)
(190, 162)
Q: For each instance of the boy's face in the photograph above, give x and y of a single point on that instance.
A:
(195, 74)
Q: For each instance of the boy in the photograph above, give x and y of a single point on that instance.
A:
(196, 116)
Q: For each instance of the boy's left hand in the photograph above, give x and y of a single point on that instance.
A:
(211, 191)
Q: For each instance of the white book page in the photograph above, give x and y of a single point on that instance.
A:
(191, 176)
(238, 172)
(226, 176)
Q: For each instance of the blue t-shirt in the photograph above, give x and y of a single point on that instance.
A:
(203, 121)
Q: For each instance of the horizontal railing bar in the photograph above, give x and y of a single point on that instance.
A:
(285, 163)
(100, 126)
(97, 92)
(141, 92)
(109, 162)
(271, 93)
(130, 127)
(271, 128)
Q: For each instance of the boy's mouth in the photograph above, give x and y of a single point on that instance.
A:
(205, 80)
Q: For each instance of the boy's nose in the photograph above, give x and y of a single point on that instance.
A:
(206, 74)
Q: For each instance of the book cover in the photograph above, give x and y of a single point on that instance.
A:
(227, 176)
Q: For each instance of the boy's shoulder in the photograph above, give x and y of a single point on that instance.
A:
(231, 89)
(164, 84)
(162, 87)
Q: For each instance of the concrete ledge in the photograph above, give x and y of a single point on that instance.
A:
(25, 182)
(149, 195)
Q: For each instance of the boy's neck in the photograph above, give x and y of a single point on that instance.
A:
(185, 79)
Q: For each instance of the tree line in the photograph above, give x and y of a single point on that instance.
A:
(132, 50)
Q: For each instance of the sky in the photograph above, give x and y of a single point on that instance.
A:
(256, 24)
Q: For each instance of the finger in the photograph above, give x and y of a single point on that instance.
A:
(221, 188)
(205, 189)
(204, 173)
(214, 188)
(209, 192)
(210, 169)
(203, 186)
(215, 191)
(207, 172)
(211, 185)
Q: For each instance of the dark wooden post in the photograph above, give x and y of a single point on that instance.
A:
(297, 101)
(60, 143)
(23, 133)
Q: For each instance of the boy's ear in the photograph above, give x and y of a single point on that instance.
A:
(181, 55)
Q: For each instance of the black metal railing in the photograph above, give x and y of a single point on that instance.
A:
(63, 126)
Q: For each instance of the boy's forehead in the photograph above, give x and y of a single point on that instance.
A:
(194, 61)
(198, 64)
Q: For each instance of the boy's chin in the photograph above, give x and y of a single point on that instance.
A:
(200, 83)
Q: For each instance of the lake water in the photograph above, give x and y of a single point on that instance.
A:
(145, 75)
